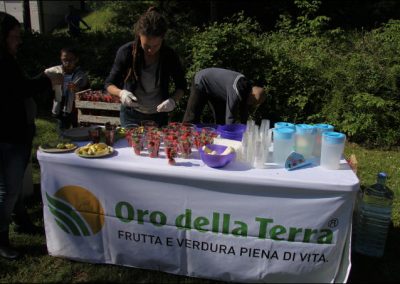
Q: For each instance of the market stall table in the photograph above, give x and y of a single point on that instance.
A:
(234, 224)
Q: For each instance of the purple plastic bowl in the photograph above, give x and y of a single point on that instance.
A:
(218, 160)
(232, 131)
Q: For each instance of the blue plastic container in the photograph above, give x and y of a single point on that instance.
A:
(281, 124)
(232, 131)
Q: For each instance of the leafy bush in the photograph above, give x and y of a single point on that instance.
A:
(364, 89)
(233, 44)
(124, 13)
(311, 74)
(297, 89)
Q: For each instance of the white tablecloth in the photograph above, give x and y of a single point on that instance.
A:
(236, 223)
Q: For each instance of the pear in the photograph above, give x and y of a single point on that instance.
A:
(228, 150)
(207, 150)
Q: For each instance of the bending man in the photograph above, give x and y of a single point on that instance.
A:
(230, 95)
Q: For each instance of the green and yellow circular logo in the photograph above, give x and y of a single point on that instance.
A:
(76, 210)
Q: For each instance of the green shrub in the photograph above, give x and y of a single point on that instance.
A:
(294, 79)
(233, 44)
(364, 89)
(311, 74)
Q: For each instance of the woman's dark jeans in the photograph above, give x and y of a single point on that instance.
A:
(130, 116)
(13, 162)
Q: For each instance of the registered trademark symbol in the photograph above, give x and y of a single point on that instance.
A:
(333, 223)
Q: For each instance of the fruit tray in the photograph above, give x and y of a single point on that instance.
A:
(97, 107)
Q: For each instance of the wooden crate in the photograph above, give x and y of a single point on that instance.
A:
(90, 111)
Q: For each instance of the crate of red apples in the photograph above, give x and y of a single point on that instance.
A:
(98, 107)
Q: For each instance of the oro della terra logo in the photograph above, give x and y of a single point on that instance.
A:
(76, 210)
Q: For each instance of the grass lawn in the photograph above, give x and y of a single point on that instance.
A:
(37, 266)
(98, 20)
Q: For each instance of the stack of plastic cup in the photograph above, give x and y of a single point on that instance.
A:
(252, 138)
(265, 142)
(264, 127)
(247, 145)
(259, 154)
(243, 149)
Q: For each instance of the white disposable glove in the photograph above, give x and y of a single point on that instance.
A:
(127, 98)
(166, 106)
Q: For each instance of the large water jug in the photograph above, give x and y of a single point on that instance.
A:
(373, 218)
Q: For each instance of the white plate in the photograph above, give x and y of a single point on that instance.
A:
(56, 150)
(110, 151)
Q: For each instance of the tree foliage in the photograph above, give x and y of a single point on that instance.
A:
(311, 73)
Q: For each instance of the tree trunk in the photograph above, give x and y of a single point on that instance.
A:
(27, 16)
(213, 11)
(83, 6)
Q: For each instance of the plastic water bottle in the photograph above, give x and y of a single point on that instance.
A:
(374, 215)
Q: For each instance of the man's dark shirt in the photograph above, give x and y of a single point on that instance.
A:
(222, 84)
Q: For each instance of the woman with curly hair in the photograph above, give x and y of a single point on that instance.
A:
(142, 72)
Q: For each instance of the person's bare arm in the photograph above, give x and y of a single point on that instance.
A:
(113, 90)
(177, 95)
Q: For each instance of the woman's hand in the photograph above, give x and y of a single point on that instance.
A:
(167, 105)
(127, 98)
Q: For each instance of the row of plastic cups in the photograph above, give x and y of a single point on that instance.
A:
(174, 145)
(180, 141)
(139, 137)
(204, 136)
(152, 142)
(177, 138)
